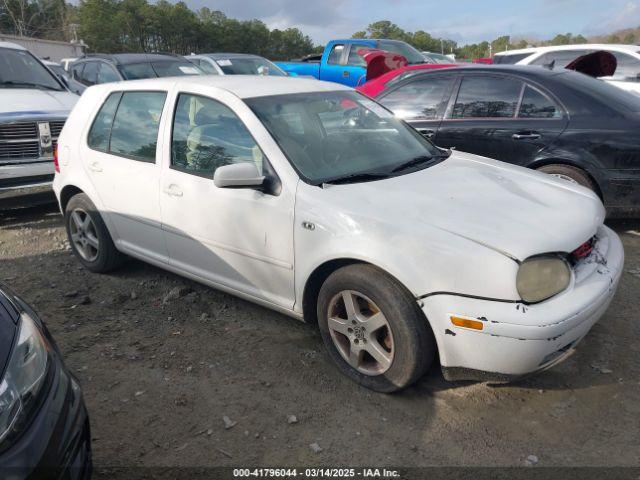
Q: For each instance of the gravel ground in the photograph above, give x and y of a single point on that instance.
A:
(177, 374)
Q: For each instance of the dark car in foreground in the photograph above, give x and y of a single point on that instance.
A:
(44, 427)
(558, 121)
(100, 68)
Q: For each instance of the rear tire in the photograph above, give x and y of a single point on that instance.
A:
(570, 173)
(88, 236)
(373, 328)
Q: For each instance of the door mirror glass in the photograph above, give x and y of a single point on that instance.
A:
(238, 175)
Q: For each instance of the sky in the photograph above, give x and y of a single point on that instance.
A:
(465, 21)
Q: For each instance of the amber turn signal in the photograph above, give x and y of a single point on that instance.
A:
(467, 323)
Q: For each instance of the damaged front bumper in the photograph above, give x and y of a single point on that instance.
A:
(518, 339)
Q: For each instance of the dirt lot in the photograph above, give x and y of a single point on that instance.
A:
(159, 374)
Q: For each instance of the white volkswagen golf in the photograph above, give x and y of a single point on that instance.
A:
(311, 199)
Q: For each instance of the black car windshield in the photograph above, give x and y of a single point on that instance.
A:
(329, 136)
(249, 66)
(158, 68)
(20, 69)
(412, 55)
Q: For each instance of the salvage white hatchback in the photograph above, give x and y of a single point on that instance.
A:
(313, 200)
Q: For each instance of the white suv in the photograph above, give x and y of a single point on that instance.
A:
(309, 198)
(626, 76)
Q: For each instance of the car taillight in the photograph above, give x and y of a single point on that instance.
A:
(56, 164)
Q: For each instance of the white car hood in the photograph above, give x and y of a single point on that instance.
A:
(23, 102)
(513, 210)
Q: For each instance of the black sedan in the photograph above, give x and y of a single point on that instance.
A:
(44, 428)
(553, 120)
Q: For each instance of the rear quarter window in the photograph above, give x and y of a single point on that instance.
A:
(98, 138)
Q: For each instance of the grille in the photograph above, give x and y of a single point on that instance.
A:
(18, 131)
(19, 150)
(56, 128)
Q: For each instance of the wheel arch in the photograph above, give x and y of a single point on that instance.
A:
(318, 276)
(67, 192)
(321, 273)
(537, 164)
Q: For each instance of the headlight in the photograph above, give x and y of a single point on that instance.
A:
(23, 378)
(542, 277)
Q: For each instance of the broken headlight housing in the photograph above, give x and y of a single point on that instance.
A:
(542, 277)
(23, 380)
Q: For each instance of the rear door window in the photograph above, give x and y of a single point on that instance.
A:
(487, 97)
(134, 133)
(107, 74)
(419, 99)
(537, 105)
(76, 71)
(90, 73)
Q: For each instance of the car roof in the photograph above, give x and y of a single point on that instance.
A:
(129, 58)
(224, 56)
(580, 46)
(13, 46)
(242, 86)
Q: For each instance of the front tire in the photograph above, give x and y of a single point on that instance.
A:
(88, 235)
(373, 329)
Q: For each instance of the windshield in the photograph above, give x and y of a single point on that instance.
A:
(333, 135)
(58, 70)
(249, 66)
(412, 55)
(439, 58)
(158, 68)
(20, 69)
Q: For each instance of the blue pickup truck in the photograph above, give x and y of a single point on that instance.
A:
(341, 63)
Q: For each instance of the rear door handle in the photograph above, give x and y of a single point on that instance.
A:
(524, 136)
(426, 132)
(173, 190)
(345, 73)
(95, 167)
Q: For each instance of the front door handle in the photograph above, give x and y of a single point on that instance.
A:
(173, 190)
(426, 132)
(95, 167)
(345, 73)
(525, 136)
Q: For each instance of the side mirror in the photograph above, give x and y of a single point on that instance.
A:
(238, 175)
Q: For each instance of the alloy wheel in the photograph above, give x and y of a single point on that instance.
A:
(360, 332)
(564, 177)
(84, 234)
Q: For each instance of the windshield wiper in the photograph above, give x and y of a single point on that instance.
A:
(416, 161)
(28, 84)
(357, 177)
